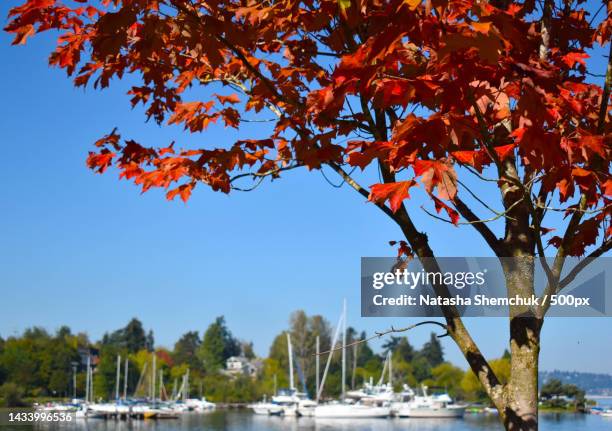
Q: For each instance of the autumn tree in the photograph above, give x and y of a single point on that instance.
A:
(487, 106)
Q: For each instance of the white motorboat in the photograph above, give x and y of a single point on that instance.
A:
(306, 407)
(199, 405)
(430, 406)
(294, 403)
(349, 411)
(402, 400)
(266, 408)
(84, 412)
(287, 402)
(56, 407)
(373, 394)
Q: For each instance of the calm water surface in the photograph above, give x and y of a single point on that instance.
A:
(246, 421)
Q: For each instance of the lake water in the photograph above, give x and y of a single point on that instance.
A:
(234, 420)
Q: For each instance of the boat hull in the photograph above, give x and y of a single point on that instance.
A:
(267, 409)
(350, 411)
(431, 412)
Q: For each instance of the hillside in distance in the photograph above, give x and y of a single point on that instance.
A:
(592, 383)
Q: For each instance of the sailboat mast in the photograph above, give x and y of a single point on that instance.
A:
(141, 379)
(344, 351)
(118, 377)
(182, 390)
(390, 369)
(331, 353)
(290, 353)
(87, 380)
(153, 371)
(125, 379)
(317, 360)
(161, 384)
(91, 385)
(187, 388)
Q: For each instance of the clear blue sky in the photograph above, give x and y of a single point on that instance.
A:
(91, 252)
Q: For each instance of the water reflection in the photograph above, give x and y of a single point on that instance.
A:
(245, 421)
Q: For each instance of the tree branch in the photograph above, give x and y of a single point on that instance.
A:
(604, 247)
(603, 109)
(488, 235)
(392, 330)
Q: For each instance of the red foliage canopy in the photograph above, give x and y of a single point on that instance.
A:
(497, 86)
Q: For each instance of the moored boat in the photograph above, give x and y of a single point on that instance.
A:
(430, 406)
(348, 411)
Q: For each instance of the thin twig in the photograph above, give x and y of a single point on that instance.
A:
(500, 215)
(379, 334)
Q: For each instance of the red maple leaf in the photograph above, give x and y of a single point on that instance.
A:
(395, 193)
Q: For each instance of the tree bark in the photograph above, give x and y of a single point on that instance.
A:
(521, 392)
(521, 412)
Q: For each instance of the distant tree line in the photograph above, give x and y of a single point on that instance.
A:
(39, 364)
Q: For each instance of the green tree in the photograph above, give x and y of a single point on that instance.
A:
(150, 341)
(365, 352)
(552, 389)
(421, 368)
(186, 350)
(404, 349)
(132, 337)
(106, 371)
(447, 376)
(390, 344)
(21, 360)
(56, 362)
(432, 351)
(270, 372)
(573, 391)
(218, 345)
(471, 385)
(247, 349)
(403, 370)
(278, 350)
(2, 371)
(11, 395)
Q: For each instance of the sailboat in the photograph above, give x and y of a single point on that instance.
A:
(287, 402)
(84, 411)
(345, 409)
(294, 402)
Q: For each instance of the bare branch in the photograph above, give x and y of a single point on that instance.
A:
(261, 176)
(473, 220)
(392, 330)
(488, 235)
(475, 196)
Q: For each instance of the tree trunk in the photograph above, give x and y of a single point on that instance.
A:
(521, 393)
(521, 412)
